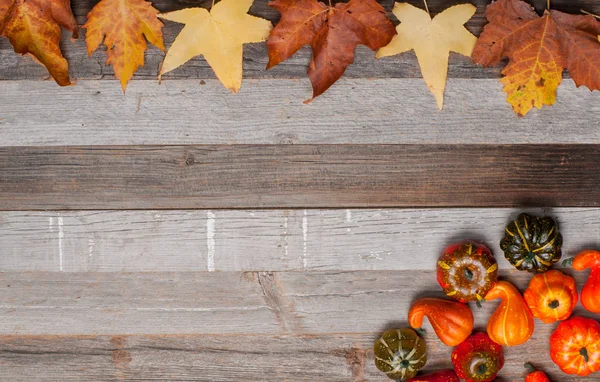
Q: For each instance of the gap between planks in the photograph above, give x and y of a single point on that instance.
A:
(353, 111)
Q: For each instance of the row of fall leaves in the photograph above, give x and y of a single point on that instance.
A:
(538, 48)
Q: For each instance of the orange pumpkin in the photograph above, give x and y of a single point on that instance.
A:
(575, 346)
(590, 294)
(551, 296)
(451, 320)
(512, 322)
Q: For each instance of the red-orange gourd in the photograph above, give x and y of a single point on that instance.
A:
(551, 296)
(575, 346)
(452, 321)
(512, 322)
(590, 294)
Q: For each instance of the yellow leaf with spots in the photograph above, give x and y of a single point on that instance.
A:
(219, 36)
(539, 49)
(432, 41)
(34, 27)
(122, 24)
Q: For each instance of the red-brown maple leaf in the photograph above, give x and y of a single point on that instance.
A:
(538, 49)
(333, 32)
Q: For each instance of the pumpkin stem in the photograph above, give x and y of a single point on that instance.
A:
(554, 304)
(529, 367)
(468, 274)
(482, 369)
(568, 262)
(421, 332)
(585, 354)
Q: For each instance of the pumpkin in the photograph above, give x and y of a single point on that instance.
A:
(400, 353)
(467, 271)
(451, 320)
(534, 375)
(511, 323)
(531, 243)
(551, 296)
(437, 376)
(590, 294)
(478, 359)
(575, 346)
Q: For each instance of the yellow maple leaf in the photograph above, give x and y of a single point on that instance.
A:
(122, 24)
(34, 27)
(432, 41)
(219, 35)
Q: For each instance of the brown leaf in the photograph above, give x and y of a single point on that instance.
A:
(34, 27)
(332, 32)
(538, 49)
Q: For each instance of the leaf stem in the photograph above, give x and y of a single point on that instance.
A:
(590, 13)
(427, 7)
(213, 4)
(330, 4)
(548, 4)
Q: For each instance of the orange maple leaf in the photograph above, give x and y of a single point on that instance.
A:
(122, 24)
(538, 49)
(34, 27)
(333, 32)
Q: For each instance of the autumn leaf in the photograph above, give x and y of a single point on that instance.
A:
(538, 49)
(333, 32)
(218, 35)
(34, 27)
(122, 24)
(432, 41)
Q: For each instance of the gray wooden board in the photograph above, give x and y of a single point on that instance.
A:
(298, 176)
(14, 66)
(354, 111)
(322, 357)
(160, 325)
(262, 240)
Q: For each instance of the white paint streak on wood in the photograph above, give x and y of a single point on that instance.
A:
(91, 244)
(348, 219)
(129, 241)
(61, 235)
(305, 239)
(390, 110)
(286, 245)
(210, 241)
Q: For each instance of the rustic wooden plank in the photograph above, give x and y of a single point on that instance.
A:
(298, 176)
(299, 303)
(255, 55)
(134, 303)
(327, 322)
(271, 112)
(261, 240)
(327, 357)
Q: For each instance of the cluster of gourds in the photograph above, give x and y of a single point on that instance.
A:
(468, 272)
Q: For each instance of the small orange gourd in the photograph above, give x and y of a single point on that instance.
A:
(512, 322)
(551, 296)
(452, 321)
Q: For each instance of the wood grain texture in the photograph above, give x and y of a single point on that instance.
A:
(226, 358)
(354, 111)
(262, 240)
(325, 324)
(255, 55)
(298, 176)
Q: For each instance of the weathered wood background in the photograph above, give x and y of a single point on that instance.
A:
(179, 232)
